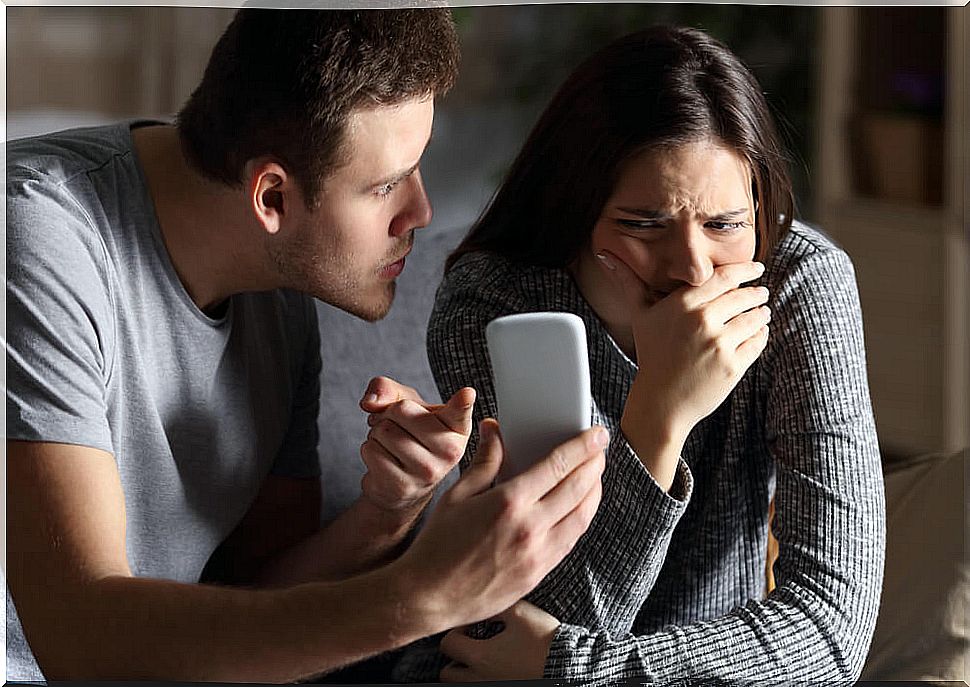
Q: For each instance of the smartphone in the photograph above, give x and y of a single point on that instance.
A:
(541, 372)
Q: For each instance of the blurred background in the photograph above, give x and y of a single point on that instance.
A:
(873, 103)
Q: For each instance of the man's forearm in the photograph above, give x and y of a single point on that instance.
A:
(137, 628)
(360, 539)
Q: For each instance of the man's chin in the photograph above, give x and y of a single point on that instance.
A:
(370, 310)
(373, 315)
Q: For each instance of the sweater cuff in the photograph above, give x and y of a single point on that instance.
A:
(565, 643)
(636, 479)
(595, 658)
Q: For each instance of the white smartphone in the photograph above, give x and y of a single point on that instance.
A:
(541, 374)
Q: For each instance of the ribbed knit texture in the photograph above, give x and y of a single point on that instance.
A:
(670, 587)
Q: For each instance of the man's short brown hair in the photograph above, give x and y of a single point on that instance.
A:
(282, 83)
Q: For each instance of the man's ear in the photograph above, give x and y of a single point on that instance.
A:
(271, 191)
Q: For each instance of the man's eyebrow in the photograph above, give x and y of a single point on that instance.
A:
(396, 176)
(399, 175)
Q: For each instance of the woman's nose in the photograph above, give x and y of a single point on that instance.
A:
(689, 257)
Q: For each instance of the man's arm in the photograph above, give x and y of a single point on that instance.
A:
(86, 617)
(279, 541)
(411, 446)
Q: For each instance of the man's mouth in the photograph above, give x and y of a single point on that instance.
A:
(394, 269)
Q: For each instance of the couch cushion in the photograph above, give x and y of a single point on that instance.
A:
(922, 633)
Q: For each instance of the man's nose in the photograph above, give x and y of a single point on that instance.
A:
(689, 257)
(418, 211)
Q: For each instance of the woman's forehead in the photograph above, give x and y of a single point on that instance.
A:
(703, 175)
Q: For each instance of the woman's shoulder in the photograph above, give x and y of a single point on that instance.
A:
(806, 250)
(475, 264)
(485, 273)
(813, 289)
(803, 240)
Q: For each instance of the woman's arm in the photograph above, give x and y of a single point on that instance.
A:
(609, 574)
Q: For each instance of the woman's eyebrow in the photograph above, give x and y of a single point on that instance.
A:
(646, 213)
(731, 214)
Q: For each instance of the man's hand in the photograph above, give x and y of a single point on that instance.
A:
(483, 548)
(518, 652)
(411, 445)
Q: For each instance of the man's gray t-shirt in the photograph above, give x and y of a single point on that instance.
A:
(106, 349)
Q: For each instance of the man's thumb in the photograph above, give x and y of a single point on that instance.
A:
(484, 465)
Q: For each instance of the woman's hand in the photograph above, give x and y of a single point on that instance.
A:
(693, 346)
(518, 652)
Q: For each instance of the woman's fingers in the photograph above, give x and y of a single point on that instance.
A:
(459, 647)
(744, 326)
(635, 291)
(753, 346)
(725, 278)
(729, 305)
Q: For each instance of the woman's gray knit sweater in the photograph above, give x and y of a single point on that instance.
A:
(670, 586)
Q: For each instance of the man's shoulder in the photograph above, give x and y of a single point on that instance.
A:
(75, 185)
(285, 311)
(63, 157)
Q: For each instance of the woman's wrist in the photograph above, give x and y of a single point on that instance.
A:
(657, 443)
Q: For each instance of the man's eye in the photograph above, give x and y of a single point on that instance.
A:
(385, 190)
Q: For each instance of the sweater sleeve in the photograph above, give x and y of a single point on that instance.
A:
(606, 578)
(830, 515)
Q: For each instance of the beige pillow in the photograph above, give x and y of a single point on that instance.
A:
(922, 632)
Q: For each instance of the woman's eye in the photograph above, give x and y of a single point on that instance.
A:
(640, 224)
(727, 227)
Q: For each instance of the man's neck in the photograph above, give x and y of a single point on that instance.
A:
(203, 223)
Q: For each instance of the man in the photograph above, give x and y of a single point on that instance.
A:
(163, 370)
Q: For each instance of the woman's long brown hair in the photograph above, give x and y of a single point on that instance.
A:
(660, 87)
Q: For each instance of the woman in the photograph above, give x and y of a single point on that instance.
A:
(640, 202)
